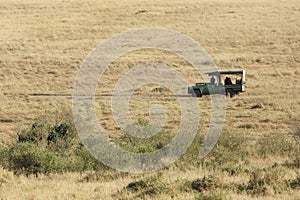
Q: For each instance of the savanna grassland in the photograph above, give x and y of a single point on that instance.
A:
(42, 45)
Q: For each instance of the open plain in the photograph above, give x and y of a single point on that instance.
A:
(43, 44)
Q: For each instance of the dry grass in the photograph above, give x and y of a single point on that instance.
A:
(42, 44)
(71, 186)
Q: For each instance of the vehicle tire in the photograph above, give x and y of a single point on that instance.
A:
(198, 93)
(230, 92)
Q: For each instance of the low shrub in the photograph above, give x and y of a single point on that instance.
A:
(205, 183)
(29, 158)
(36, 134)
(295, 184)
(45, 148)
(151, 186)
(294, 164)
(230, 150)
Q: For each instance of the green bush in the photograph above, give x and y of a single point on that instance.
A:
(29, 158)
(45, 148)
(36, 134)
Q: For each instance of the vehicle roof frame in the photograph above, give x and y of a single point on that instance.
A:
(229, 72)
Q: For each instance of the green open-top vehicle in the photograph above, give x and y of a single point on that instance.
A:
(229, 82)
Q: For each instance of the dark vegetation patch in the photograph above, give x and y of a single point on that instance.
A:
(205, 183)
(148, 187)
(45, 148)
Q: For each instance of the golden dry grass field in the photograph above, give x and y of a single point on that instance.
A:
(43, 43)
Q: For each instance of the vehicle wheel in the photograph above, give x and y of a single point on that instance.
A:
(198, 93)
(230, 92)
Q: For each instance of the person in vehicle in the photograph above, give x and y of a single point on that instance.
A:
(238, 81)
(212, 80)
(228, 81)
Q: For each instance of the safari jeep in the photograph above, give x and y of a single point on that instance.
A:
(228, 82)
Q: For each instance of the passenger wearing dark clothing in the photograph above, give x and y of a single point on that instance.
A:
(228, 81)
(238, 81)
